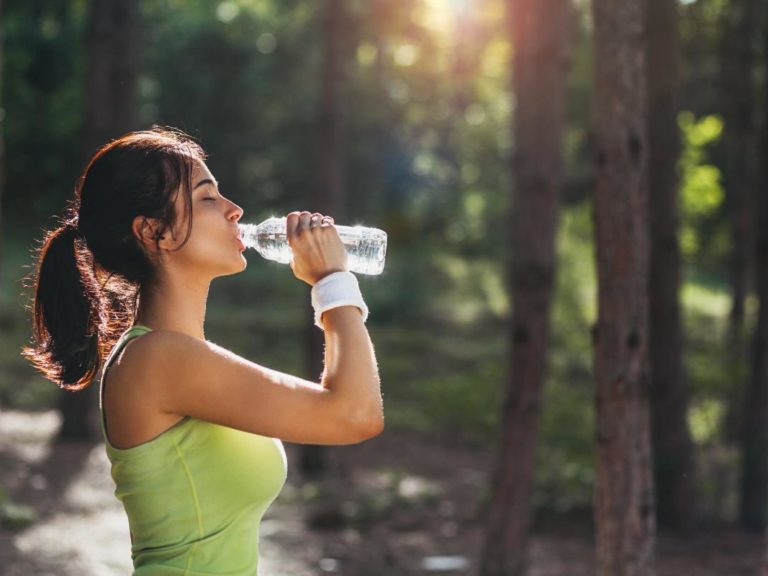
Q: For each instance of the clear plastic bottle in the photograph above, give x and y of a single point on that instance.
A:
(366, 247)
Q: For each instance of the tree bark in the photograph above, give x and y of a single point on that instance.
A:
(110, 110)
(740, 178)
(113, 63)
(740, 174)
(540, 31)
(327, 196)
(669, 397)
(741, 142)
(624, 504)
(2, 144)
(754, 472)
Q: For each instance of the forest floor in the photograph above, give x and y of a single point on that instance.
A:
(400, 504)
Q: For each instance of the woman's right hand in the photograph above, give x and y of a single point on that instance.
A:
(317, 248)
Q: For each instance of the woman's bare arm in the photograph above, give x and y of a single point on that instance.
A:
(183, 375)
(350, 365)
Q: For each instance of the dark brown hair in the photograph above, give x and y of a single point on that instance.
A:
(91, 269)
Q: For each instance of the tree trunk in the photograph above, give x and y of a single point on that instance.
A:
(754, 472)
(327, 195)
(741, 143)
(2, 145)
(540, 34)
(669, 398)
(624, 504)
(113, 63)
(110, 110)
(740, 176)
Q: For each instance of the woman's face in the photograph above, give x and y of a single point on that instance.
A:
(213, 248)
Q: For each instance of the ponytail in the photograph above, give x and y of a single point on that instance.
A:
(66, 311)
(91, 270)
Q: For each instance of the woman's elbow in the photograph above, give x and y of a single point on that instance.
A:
(369, 427)
(376, 427)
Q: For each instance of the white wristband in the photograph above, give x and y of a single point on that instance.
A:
(337, 289)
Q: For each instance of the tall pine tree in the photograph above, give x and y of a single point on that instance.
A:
(624, 503)
(327, 196)
(540, 31)
(673, 459)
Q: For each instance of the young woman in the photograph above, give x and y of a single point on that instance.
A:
(192, 430)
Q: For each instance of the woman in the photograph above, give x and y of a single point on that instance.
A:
(192, 430)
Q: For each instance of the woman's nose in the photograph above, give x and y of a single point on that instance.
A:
(236, 213)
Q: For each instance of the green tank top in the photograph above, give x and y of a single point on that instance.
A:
(195, 494)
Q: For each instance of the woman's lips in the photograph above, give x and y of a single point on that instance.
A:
(240, 242)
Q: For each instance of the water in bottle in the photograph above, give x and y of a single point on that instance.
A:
(366, 247)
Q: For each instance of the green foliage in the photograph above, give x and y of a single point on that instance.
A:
(701, 192)
(20, 386)
(565, 459)
(238, 75)
(42, 96)
(705, 418)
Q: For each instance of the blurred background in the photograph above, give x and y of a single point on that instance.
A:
(403, 115)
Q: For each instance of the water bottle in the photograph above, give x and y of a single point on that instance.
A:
(366, 247)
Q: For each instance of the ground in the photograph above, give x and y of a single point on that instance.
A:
(401, 504)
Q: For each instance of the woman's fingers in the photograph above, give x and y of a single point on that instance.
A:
(308, 221)
(299, 222)
(317, 248)
(304, 219)
(292, 222)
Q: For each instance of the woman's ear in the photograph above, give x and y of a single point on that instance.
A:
(146, 231)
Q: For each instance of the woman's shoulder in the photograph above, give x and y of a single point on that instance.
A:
(158, 352)
(141, 353)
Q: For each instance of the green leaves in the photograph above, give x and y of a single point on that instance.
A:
(701, 191)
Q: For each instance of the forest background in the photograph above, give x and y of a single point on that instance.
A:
(400, 114)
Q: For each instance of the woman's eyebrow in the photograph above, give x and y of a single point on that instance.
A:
(205, 181)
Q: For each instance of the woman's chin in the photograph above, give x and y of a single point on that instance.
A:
(242, 266)
(235, 268)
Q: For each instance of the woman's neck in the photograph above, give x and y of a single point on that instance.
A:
(177, 305)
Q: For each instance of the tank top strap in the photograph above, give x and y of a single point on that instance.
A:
(132, 332)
